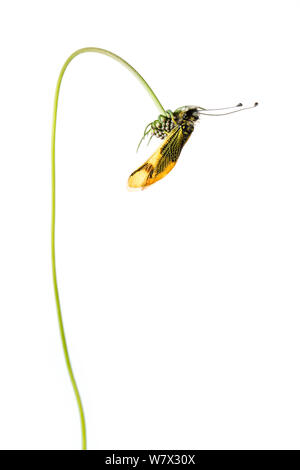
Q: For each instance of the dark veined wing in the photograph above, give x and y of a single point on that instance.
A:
(161, 162)
(170, 150)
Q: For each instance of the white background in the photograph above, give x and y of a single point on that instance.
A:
(181, 302)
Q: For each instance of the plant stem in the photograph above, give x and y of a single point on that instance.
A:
(55, 283)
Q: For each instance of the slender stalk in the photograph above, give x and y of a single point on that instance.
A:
(55, 283)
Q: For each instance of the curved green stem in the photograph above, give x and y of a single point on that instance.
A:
(56, 293)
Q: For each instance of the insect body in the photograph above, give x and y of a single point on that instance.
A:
(175, 129)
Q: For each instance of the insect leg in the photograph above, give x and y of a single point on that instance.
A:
(145, 134)
(171, 115)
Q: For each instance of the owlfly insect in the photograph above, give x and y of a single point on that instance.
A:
(175, 129)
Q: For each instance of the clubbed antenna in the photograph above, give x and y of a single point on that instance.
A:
(206, 112)
(221, 109)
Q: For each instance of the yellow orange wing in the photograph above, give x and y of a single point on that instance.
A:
(161, 162)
